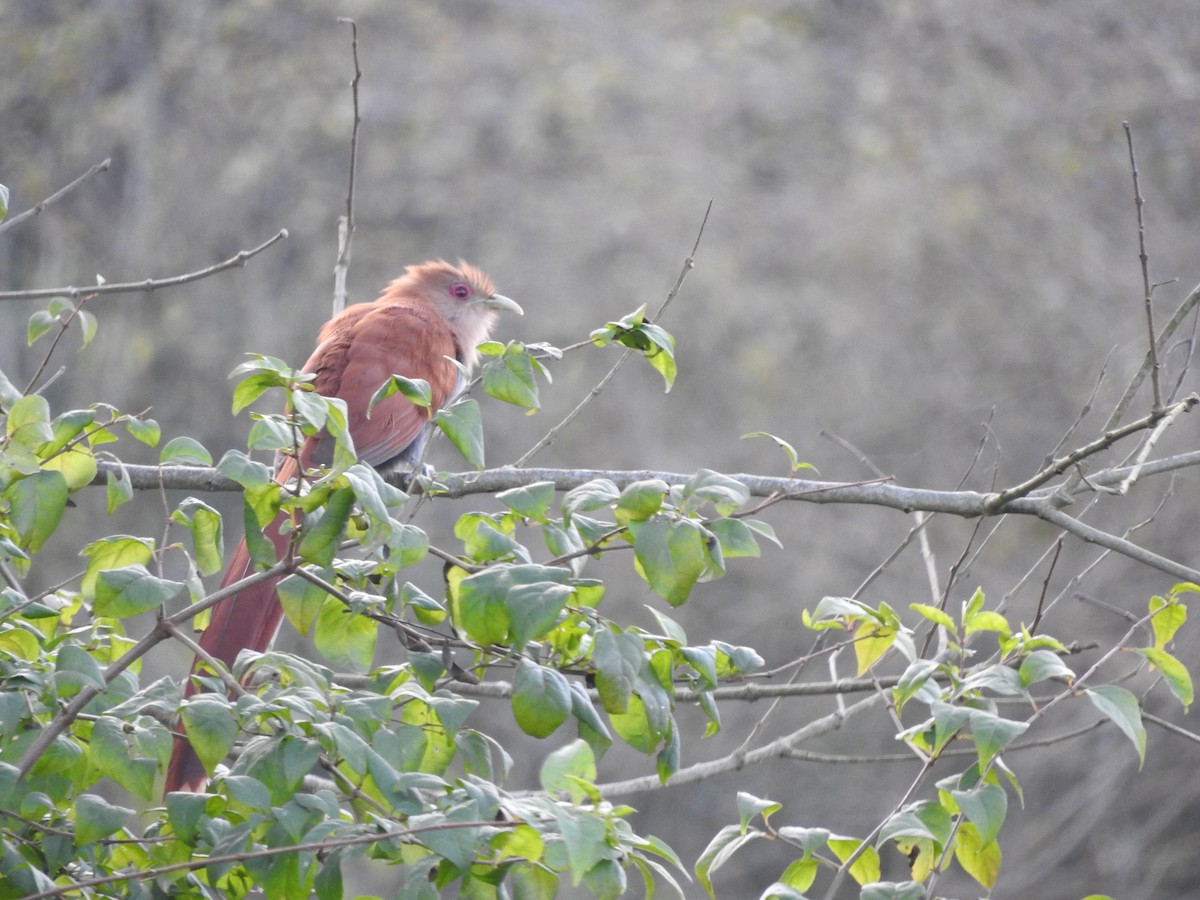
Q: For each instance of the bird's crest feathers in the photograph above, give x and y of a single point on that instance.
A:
(438, 272)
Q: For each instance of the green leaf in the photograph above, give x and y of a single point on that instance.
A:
(481, 604)
(113, 552)
(1175, 673)
(736, 538)
(871, 642)
(566, 768)
(590, 495)
(204, 522)
(3, 201)
(640, 725)
(270, 432)
(618, 658)
(320, 540)
(131, 590)
(866, 868)
(591, 726)
(252, 387)
(415, 390)
(986, 620)
(1042, 665)
(985, 806)
(88, 326)
(310, 409)
(184, 812)
(512, 377)
(130, 753)
(981, 859)
(302, 601)
(913, 680)
(211, 727)
(40, 323)
(77, 466)
(184, 451)
(279, 763)
(652, 341)
(541, 699)
(948, 721)
(992, 734)
(534, 609)
(584, 837)
(462, 424)
(724, 844)
(75, 669)
(936, 616)
(793, 458)
(641, 500)
(343, 638)
(800, 874)
(671, 556)
(1169, 616)
(727, 494)
(750, 806)
(96, 818)
(1122, 708)
(531, 501)
(36, 504)
(118, 488)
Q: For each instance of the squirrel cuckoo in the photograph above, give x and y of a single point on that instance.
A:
(431, 315)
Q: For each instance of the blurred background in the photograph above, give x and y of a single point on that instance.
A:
(922, 222)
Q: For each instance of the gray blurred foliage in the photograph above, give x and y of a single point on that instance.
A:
(922, 219)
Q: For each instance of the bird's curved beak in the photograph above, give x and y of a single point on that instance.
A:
(502, 303)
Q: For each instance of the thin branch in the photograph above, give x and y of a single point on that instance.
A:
(1189, 303)
(735, 761)
(150, 284)
(966, 504)
(346, 222)
(1139, 202)
(552, 434)
(1122, 546)
(267, 853)
(62, 330)
(948, 753)
(55, 197)
(749, 692)
(232, 684)
(869, 840)
(1171, 727)
(1106, 440)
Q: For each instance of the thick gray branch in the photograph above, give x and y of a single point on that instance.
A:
(966, 504)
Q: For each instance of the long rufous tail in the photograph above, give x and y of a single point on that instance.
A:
(246, 620)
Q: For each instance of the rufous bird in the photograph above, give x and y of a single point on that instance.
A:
(431, 315)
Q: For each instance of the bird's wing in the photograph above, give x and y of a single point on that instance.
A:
(359, 353)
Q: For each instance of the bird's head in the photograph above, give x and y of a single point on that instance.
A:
(463, 295)
(459, 293)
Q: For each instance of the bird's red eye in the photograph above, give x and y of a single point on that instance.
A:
(460, 290)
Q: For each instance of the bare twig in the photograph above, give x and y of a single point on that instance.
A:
(149, 284)
(548, 439)
(62, 329)
(1139, 202)
(735, 761)
(1103, 442)
(55, 197)
(346, 222)
(1189, 303)
(232, 684)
